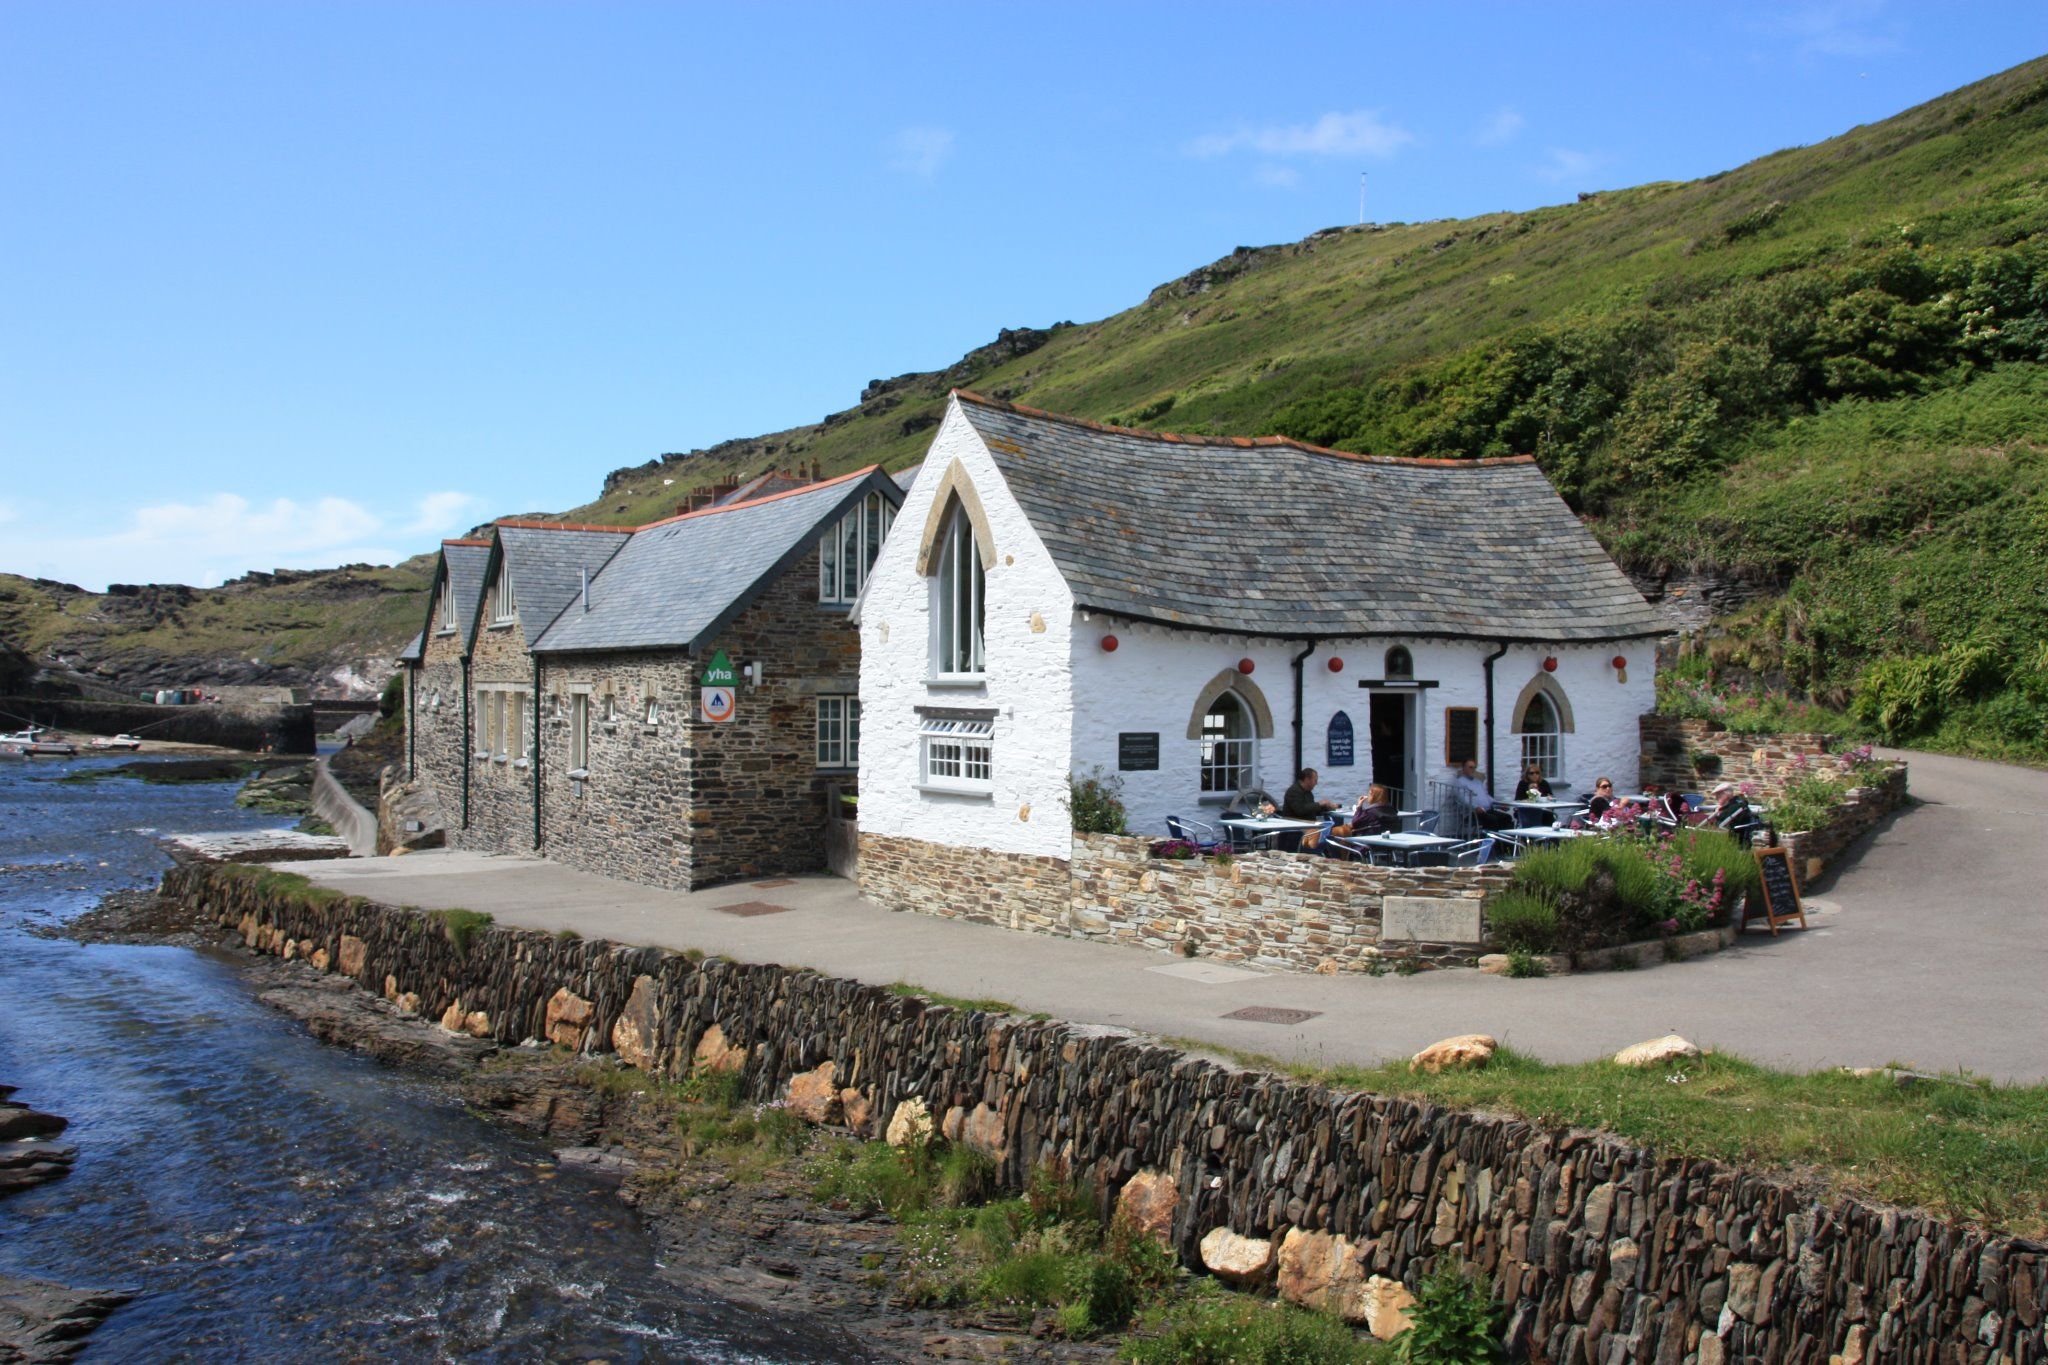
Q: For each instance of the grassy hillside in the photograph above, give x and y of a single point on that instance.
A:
(1822, 375)
(1825, 373)
(285, 628)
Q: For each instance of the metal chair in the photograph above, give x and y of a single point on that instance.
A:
(1471, 853)
(1202, 836)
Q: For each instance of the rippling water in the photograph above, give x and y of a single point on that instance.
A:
(270, 1197)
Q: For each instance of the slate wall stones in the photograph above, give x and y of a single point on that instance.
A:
(1692, 755)
(1601, 1250)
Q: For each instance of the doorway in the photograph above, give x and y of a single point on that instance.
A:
(1393, 725)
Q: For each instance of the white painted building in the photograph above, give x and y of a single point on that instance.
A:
(1190, 614)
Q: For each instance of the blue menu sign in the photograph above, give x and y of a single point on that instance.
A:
(1340, 755)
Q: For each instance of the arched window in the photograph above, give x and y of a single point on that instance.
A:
(1400, 664)
(957, 601)
(1542, 737)
(1229, 745)
(848, 551)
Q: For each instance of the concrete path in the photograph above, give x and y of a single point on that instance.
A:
(1930, 950)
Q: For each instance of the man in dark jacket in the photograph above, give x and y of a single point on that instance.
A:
(1300, 801)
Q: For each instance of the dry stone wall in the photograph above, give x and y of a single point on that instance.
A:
(1693, 755)
(1601, 1251)
(984, 885)
(1814, 851)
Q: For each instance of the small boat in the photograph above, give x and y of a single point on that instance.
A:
(116, 742)
(36, 741)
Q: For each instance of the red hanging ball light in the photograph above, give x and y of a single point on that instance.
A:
(1620, 661)
(1550, 664)
(1336, 665)
(1244, 665)
(1109, 644)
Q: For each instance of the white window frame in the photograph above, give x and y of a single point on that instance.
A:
(579, 734)
(515, 727)
(1543, 747)
(848, 551)
(484, 733)
(1228, 763)
(504, 603)
(650, 710)
(839, 731)
(959, 598)
(957, 755)
(447, 608)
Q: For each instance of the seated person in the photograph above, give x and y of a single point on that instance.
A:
(1665, 805)
(1731, 808)
(1603, 798)
(1300, 802)
(1374, 813)
(1472, 791)
(1533, 786)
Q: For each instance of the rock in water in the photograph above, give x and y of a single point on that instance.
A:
(44, 1321)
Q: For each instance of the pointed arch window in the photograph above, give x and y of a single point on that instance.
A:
(1229, 745)
(1400, 664)
(958, 602)
(1542, 738)
(848, 551)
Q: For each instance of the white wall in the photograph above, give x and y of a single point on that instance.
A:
(1152, 679)
(1027, 675)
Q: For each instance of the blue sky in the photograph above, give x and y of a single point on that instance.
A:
(293, 283)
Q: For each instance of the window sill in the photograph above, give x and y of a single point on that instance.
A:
(958, 681)
(481, 758)
(966, 793)
(579, 774)
(498, 758)
(836, 608)
(841, 770)
(506, 624)
(521, 763)
(1215, 799)
(445, 630)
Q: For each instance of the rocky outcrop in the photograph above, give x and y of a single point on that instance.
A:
(41, 1320)
(1451, 1054)
(29, 1154)
(1656, 1052)
(1596, 1248)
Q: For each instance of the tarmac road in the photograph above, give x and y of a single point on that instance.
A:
(1929, 949)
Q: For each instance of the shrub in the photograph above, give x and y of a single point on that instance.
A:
(720, 1088)
(1704, 854)
(1603, 891)
(1908, 696)
(392, 697)
(1524, 966)
(1523, 921)
(1455, 1320)
(1095, 803)
(461, 926)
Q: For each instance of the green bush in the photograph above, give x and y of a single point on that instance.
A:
(1095, 803)
(1909, 696)
(461, 926)
(1522, 920)
(1456, 1322)
(1705, 853)
(392, 697)
(1212, 1326)
(1604, 891)
(1525, 966)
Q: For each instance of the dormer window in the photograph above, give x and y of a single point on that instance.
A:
(849, 549)
(447, 609)
(504, 606)
(958, 604)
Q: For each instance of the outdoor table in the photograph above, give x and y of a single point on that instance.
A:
(1258, 827)
(1549, 805)
(1405, 846)
(1546, 833)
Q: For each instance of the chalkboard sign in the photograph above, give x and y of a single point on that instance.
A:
(1341, 753)
(1137, 752)
(1778, 903)
(1461, 734)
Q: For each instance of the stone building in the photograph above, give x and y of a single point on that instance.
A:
(1197, 616)
(436, 665)
(581, 730)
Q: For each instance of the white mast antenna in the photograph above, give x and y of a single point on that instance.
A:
(1361, 198)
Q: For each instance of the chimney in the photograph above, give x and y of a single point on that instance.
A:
(586, 588)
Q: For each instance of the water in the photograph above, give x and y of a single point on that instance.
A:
(270, 1197)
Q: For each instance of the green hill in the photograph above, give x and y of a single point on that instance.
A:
(1810, 392)
(1816, 384)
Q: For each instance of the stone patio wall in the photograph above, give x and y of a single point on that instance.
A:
(1693, 755)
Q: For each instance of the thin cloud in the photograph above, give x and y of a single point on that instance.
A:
(210, 540)
(1277, 177)
(1361, 132)
(920, 152)
(1501, 129)
(1562, 164)
(1840, 28)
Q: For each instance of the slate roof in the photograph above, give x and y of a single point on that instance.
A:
(415, 649)
(677, 583)
(547, 561)
(466, 561)
(1274, 537)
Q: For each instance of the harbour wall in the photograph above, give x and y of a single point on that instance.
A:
(283, 729)
(1600, 1250)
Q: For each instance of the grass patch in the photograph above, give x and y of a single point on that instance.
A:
(1968, 1150)
(986, 1005)
(461, 926)
(1209, 1325)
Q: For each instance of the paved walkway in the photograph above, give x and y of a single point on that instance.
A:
(1930, 950)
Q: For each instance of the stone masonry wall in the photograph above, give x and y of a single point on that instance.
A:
(757, 796)
(1011, 890)
(1814, 851)
(1600, 1250)
(630, 818)
(1692, 755)
(440, 748)
(1297, 911)
(500, 789)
